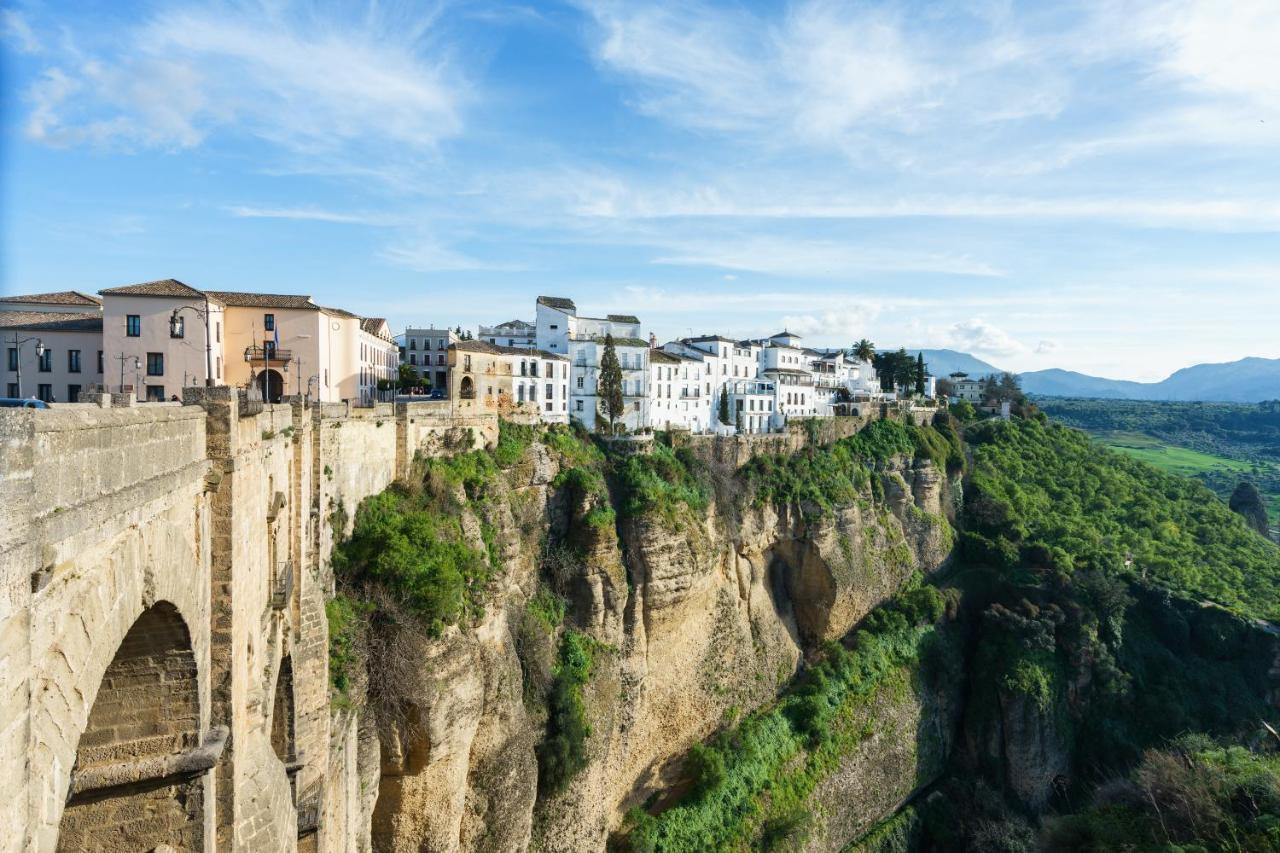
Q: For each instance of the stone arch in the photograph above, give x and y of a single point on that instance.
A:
(282, 720)
(271, 384)
(137, 782)
(468, 389)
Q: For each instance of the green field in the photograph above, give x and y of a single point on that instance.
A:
(1214, 470)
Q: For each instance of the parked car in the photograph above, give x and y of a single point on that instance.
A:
(22, 403)
(437, 394)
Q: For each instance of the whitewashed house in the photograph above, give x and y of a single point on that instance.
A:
(513, 333)
(677, 399)
(784, 362)
(753, 405)
(562, 331)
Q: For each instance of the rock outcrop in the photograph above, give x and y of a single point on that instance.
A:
(697, 617)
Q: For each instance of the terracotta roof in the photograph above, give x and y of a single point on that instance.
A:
(622, 318)
(339, 312)
(492, 349)
(239, 299)
(373, 325)
(61, 297)
(558, 303)
(163, 287)
(52, 321)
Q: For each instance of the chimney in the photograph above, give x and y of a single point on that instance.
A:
(653, 341)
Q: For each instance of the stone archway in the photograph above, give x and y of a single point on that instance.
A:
(138, 780)
(468, 389)
(271, 384)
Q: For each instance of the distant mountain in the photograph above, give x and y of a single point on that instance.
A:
(944, 362)
(1248, 380)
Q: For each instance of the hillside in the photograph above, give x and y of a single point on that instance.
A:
(943, 362)
(776, 643)
(1248, 380)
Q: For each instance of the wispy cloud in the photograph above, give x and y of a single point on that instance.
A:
(810, 258)
(427, 255)
(282, 72)
(314, 214)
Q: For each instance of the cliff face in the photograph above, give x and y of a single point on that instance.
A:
(696, 617)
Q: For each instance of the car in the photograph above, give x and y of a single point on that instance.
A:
(437, 394)
(22, 403)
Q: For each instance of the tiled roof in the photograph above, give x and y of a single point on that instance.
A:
(52, 321)
(61, 297)
(238, 299)
(705, 338)
(617, 342)
(622, 318)
(558, 303)
(163, 287)
(373, 325)
(339, 312)
(664, 356)
(512, 324)
(492, 349)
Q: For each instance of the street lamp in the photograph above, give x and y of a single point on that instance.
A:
(137, 365)
(17, 345)
(176, 330)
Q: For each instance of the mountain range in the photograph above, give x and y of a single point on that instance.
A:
(1248, 380)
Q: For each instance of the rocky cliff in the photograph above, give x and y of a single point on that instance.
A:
(697, 599)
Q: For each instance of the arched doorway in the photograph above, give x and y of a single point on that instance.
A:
(131, 788)
(468, 389)
(271, 384)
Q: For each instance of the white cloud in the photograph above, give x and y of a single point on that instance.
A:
(1221, 48)
(15, 29)
(819, 259)
(431, 256)
(312, 214)
(1046, 346)
(846, 323)
(978, 336)
(310, 82)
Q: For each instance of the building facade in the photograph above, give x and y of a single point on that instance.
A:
(427, 351)
(519, 384)
(678, 398)
(513, 333)
(52, 345)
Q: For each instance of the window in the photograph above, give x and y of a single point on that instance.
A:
(133, 326)
(269, 322)
(219, 365)
(217, 327)
(46, 361)
(466, 362)
(269, 349)
(440, 359)
(577, 405)
(99, 361)
(155, 393)
(554, 327)
(550, 392)
(73, 393)
(45, 392)
(13, 389)
(155, 364)
(73, 361)
(13, 358)
(579, 381)
(178, 328)
(413, 358)
(413, 343)
(440, 343)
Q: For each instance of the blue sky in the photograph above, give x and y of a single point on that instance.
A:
(1091, 185)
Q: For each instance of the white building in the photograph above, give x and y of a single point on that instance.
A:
(677, 395)
(67, 328)
(379, 359)
(753, 405)
(427, 351)
(967, 389)
(513, 333)
(562, 331)
(784, 362)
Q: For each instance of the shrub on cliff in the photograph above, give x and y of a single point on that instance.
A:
(667, 481)
(563, 752)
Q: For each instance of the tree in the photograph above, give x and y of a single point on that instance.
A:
(864, 350)
(409, 377)
(920, 373)
(946, 388)
(609, 385)
(723, 414)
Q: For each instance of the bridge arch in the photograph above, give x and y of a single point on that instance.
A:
(139, 775)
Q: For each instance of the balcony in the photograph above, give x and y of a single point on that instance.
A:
(267, 354)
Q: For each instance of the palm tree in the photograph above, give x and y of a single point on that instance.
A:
(864, 350)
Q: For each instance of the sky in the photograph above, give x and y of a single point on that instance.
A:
(1087, 185)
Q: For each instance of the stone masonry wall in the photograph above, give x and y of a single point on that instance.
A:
(225, 517)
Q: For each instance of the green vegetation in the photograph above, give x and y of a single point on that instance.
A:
(513, 440)
(669, 482)
(345, 616)
(547, 607)
(751, 784)
(563, 752)
(821, 479)
(1196, 795)
(1219, 444)
(1045, 495)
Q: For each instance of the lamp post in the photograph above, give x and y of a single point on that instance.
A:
(17, 345)
(122, 358)
(175, 323)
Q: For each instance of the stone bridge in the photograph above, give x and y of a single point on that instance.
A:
(163, 642)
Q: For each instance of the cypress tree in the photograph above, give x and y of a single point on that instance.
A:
(609, 386)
